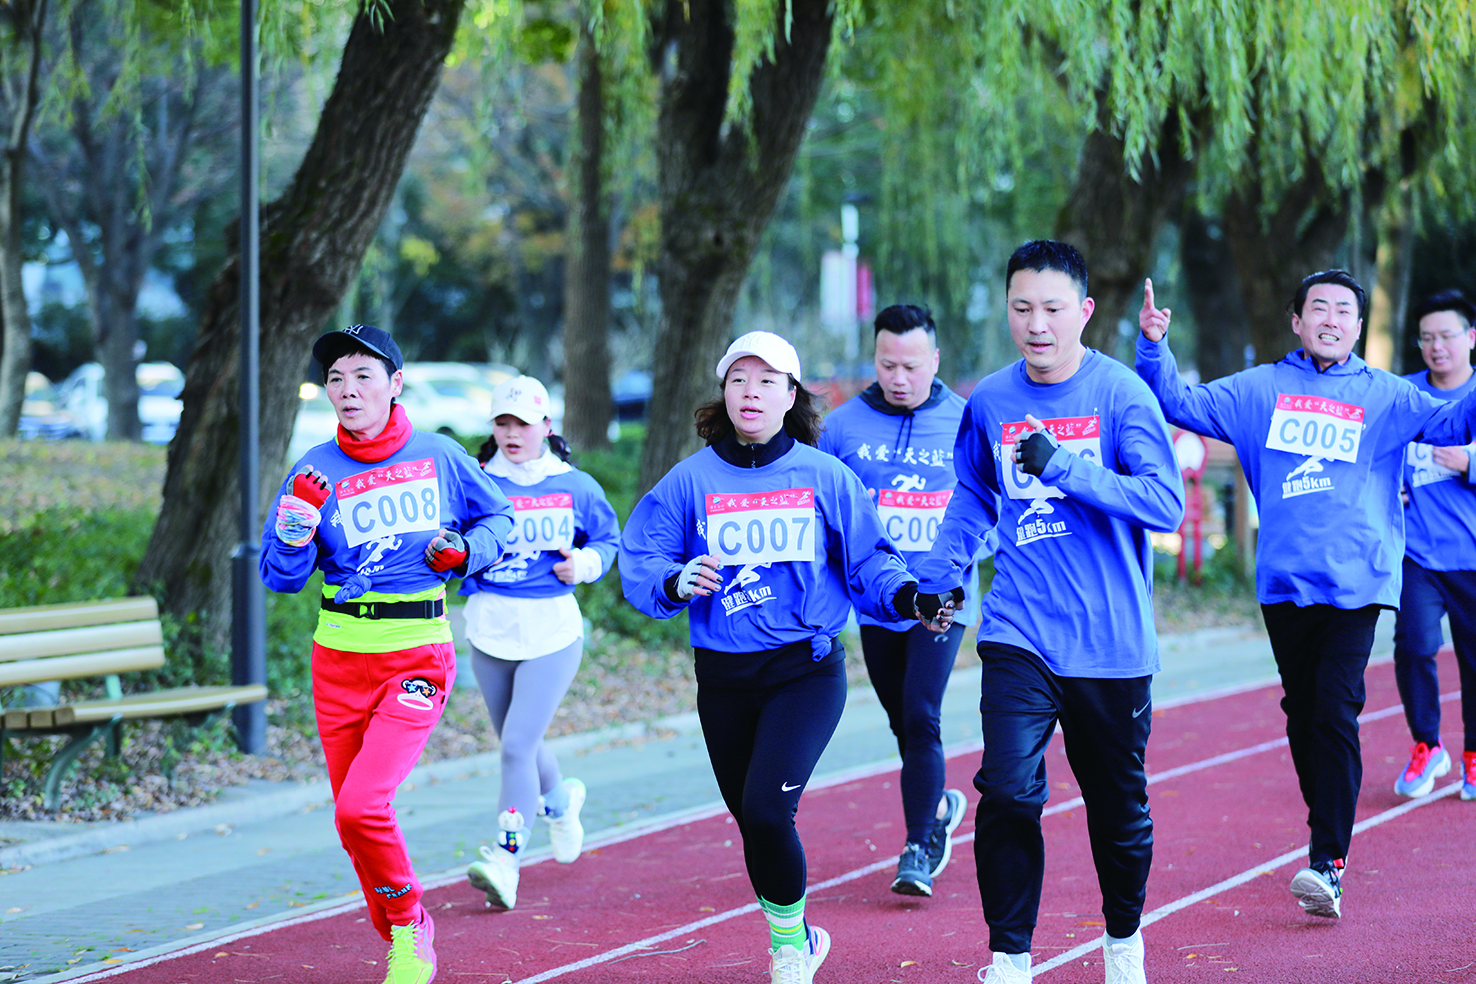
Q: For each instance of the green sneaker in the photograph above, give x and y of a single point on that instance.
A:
(412, 957)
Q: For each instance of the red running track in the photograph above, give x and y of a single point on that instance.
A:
(673, 903)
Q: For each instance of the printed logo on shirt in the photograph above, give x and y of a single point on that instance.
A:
(511, 567)
(738, 595)
(378, 548)
(399, 498)
(1304, 479)
(418, 693)
(918, 457)
(1029, 530)
(909, 483)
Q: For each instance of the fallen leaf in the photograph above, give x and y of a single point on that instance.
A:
(195, 926)
(908, 963)
(705, 908)
(543, 917)
(14, 909)
(222, 953)
(253, 905)
(264, 850)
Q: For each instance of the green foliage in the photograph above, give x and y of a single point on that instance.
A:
(71, 555)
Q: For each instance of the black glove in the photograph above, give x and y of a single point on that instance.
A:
(1032, 453)
(929, 605)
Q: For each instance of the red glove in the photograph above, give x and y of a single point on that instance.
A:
(446, 551)
(311, 486)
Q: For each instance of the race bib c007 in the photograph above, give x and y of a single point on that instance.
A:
(761, 527)
(1081, 436)
(541, 522)
(395, 499)
(911, 519)
(1316, 426)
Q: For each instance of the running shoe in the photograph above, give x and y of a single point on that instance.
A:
(1003, 971)
(1124, 960)
(412, 956)
(1319, 889)
(797, 964)
(912, 872)
(1468, 775)
(497, 872)
(565, 832)
(1426, 764)
(940, 847)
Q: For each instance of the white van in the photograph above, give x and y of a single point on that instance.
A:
(159, 406)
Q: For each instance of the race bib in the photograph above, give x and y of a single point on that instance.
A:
(911, 519)
(401, 498)
(761, 527)
(1421, 457)
(1081, 436)
(1316, 426)
(541, 522)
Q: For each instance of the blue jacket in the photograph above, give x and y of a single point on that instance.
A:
(1073, 579)
(1322, 451)
(1440, 521)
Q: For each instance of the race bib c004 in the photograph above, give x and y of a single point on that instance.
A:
(761, 527)
(1316, 426)
(541, 522)
(395, 499)
(911, 519)
(1081, 436)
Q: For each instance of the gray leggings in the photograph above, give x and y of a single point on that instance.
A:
(522, 696)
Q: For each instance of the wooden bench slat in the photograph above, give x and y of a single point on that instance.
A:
(162, 703)
(85, 665)
(69, 642)
(76, 614)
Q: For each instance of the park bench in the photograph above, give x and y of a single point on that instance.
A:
(89, 640)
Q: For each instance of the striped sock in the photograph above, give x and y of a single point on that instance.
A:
(786, 923)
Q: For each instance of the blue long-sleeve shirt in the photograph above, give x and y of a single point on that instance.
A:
(1073, 578)
(1322, 451)
(1440, 522)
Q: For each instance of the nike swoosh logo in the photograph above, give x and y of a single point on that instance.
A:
(786, 787)
(1142, 709)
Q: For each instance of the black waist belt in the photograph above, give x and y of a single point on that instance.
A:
(387, 609)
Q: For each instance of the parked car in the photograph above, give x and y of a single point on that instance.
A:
(42, 415)
(159, 406)
(631, 393)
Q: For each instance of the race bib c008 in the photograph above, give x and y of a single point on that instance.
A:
(761, 527)
(395, 499)
(911, 519)
(1081, 436)
(541, 522)
(1316, 426)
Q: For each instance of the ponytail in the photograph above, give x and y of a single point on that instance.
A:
(560, 447)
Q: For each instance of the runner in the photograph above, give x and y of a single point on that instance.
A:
(1322, 437)
(1066, 455)
(765, 541)
(897, 436)
(525, 627)
(408, 510)
(1439, 556)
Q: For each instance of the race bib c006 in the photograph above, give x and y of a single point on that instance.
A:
(395, 499)
(1316, 426)
(1421, 457)
(911, 519)
(761, 527)
(1081, 436)
(541, 522)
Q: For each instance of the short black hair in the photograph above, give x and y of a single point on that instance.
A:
(1341, 278)
(1447, 300)
(899, 319)
(1049, 254)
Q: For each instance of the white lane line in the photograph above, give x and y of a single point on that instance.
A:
(1249, 874)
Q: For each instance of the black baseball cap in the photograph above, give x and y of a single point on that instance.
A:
(332, 346)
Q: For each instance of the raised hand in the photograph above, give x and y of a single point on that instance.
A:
(1152, 322)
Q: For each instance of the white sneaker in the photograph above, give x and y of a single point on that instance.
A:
(1003, 971)
(797, 965)
(1124, 960)
(497, 872)
(566, 833)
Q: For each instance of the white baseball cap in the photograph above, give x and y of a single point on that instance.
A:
(766, 345)
(522, 396)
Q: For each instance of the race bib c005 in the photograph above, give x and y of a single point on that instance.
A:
(761, 527)
(1081, 436)
(395, 499)
(541, 522)
(1316, 426)
(911, 519)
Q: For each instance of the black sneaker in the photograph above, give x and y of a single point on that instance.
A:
(940, 845)
(1319, 889)
(912, 872)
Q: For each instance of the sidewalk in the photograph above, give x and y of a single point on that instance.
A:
(108, 893)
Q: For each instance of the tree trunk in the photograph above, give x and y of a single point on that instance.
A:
(27, 19)
(1115, 220)
(313, 241)
(718, 186)
(587, 402)
(1384, 323)
(1274, 251)
(1213, 296)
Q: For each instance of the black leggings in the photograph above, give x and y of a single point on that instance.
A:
(763, 745)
